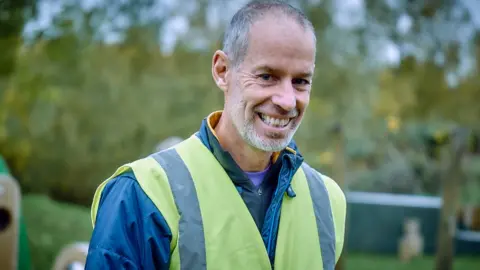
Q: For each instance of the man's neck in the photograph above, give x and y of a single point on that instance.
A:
(247, 158)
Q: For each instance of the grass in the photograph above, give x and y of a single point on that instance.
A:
(373, 262)
(52, 225)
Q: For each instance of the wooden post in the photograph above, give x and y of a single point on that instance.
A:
(339, 177)
(9, 222)
(452, 155)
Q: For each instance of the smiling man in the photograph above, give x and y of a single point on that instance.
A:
(237, 194)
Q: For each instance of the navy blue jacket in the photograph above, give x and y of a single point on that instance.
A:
(131, 233)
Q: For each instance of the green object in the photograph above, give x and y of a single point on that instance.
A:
(3, 166)
(24, 259)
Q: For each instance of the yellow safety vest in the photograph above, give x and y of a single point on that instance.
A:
(212, 227)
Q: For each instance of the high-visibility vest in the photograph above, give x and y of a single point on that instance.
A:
(211, 225)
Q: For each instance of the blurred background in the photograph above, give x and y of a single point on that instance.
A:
(86, 86)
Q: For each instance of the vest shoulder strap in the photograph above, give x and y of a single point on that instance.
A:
(337, 204)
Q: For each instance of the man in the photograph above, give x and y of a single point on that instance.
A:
(236, 194)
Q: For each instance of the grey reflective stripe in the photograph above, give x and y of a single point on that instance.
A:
(191, 240)
(323, 215)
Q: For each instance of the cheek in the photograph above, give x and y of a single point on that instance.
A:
(257, 95)
(235, 102)
(233, 95)
(248, 97)
(303, 99)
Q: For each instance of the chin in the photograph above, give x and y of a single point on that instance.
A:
(265, 138)
(274, 146)
(270, 142)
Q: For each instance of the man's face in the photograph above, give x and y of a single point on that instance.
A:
(268, 93)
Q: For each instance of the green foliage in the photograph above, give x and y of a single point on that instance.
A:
(12, 20)
(471, 188)
(51, 226)
(70, 121)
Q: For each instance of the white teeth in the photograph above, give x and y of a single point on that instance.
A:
(274, 122)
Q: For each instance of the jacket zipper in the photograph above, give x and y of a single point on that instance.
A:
(272, 234)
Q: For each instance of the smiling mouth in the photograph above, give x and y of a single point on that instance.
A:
(274, 122)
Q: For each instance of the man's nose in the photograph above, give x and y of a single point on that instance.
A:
(285, 97)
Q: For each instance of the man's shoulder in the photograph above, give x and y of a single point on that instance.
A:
(122, 186)
(334, 191)
(125, 216)
(126, 178)
(124, 192)
(124, 175)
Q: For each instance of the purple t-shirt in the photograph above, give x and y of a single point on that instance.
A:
(257, 177)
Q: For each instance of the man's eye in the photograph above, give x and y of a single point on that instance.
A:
(300, 81)
(265, 77)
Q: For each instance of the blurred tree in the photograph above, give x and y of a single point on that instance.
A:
(12, 19)
(451, 187)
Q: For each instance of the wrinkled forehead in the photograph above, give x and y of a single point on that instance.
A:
(281, 42)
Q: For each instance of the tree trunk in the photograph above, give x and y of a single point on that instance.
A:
(451, 156)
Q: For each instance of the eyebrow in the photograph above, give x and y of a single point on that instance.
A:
(269, 69)
(264, 68)
(305, 74)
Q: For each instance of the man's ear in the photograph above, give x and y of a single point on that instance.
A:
(220, 69)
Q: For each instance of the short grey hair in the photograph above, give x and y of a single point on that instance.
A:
(235, 40)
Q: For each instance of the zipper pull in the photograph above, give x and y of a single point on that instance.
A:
(290, 192)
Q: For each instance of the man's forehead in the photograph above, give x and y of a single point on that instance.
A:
(305, 69)
(276, 51)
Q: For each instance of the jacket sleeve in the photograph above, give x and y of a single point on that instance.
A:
(130, 232)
